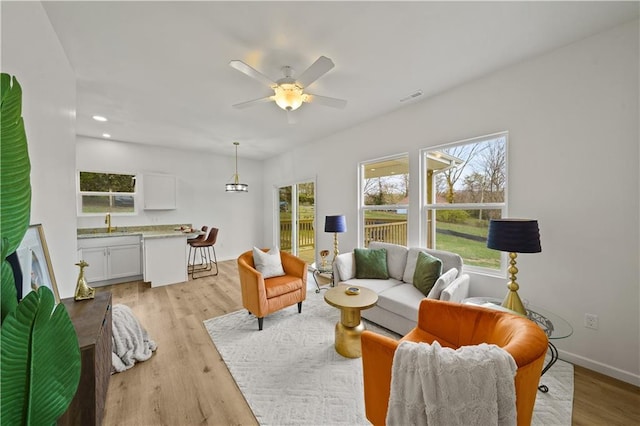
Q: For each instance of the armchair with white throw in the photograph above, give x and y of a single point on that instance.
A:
(454, 326)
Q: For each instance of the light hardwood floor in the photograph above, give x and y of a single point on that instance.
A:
(186, 382)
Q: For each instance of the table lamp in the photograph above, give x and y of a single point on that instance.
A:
(335, 224)
(514, 236)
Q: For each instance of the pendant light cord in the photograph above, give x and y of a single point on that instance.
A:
(236, 179)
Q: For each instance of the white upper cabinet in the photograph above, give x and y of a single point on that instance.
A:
(159, 192)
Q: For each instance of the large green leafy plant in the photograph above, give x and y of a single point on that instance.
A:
(39, 353)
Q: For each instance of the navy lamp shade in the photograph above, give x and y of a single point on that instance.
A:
(336, 224)
(514, 236)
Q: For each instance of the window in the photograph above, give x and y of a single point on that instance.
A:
(465, 186)
(384, 200)
(107, 193)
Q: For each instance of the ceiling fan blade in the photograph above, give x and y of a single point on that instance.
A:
(251, 72)
(319, 68)
(291, 119)
(327, 101)
(246, 104)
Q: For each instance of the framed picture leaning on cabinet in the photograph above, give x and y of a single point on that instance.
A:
(35, 262)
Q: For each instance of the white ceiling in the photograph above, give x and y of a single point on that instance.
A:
(159, 71)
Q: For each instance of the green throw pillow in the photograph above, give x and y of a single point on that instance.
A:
(428, 270)
(371, 263)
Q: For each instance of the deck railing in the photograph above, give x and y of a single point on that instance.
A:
(306, 234)
(391, 232)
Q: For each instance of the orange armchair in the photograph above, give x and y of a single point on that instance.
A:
(263, 296)
(454, 325)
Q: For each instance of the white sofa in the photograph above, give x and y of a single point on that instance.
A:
(398, 299)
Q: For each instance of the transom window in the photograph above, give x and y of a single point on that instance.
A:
(106, 193)
(384, 200)
(465, 186)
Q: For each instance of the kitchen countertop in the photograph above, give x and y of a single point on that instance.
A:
(161, 231)
(143, 234)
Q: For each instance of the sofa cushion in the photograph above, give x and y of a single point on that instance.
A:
(396, 257)
(443, 282)
(428, 270)
(449, 260)
(403, 300)
(346, 265)
(371, 263)
(377, 286)
(268, 264)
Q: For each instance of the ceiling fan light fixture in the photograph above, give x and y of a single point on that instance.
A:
(236, 186)
(289, 96)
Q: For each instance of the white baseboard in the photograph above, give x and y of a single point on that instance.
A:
(605, 369)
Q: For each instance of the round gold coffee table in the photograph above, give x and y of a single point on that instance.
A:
(349, 328)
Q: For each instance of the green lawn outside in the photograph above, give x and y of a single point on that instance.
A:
(385, 215)
(474, 253)
(466, 228)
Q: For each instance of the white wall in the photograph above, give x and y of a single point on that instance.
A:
(31, 52)
(201, 198)
(572, 116)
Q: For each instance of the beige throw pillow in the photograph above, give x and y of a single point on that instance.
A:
(268, 264)
(442, 283)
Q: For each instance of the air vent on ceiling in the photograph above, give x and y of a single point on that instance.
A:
(412, 96)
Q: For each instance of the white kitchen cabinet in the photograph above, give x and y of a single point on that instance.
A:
(159, 192)
(111, 259)
(96, 257)
(165, 260)
(124, 261)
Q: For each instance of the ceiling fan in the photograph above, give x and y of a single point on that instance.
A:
(289, 92)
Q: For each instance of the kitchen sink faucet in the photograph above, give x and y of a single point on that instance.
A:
(107, 221)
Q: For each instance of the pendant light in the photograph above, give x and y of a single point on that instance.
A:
(236, 186)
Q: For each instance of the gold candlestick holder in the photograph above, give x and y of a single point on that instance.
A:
(323, 256)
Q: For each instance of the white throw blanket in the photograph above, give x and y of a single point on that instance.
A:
(130, 340)
(432, 385)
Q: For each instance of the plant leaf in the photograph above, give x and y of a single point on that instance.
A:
(9, 299)
(40, 360)
(15, 187)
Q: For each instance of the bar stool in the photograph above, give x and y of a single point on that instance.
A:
(205, 248)
(200, 237)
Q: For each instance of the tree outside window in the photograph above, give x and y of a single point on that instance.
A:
(465, 188)
(107, 193)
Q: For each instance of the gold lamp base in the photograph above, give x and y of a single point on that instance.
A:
(512, 300)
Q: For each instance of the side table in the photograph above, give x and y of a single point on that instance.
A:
(92, 320)
(553, 326)
(350, 326)
(324, 272)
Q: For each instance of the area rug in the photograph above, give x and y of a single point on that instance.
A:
(290, 373)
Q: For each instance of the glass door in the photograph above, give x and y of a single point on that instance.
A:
(296, 213)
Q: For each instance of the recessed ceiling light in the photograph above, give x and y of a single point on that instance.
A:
(99, 118)
(106, 135)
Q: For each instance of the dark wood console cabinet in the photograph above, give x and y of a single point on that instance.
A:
(92, 321)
